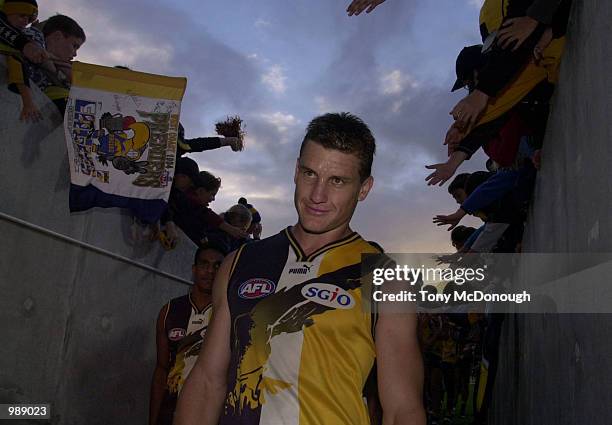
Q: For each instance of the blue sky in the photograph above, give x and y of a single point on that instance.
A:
(279, 63)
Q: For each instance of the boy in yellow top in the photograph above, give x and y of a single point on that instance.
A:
(62, 37)
(20, 14)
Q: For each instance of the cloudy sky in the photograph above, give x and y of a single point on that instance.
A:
(279, 63)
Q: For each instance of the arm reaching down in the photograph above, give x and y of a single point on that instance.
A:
(446, 170)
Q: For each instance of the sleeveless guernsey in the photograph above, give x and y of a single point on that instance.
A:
(302, 345)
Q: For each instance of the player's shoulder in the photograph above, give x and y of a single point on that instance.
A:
(367, 247)
(174, 302)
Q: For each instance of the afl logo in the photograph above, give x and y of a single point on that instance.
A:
(256, 288)
(328, 295)
(176, 334)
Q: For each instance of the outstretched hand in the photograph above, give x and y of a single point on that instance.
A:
(452, 219)
(455, 134)
(469, 109)
(446, 170)
(442, 173)
(515, 31)
(358, 6)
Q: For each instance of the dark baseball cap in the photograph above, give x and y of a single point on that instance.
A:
(188, 167)
(469, 59)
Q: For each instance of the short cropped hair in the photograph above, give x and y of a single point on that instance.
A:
(65, 24)
(204, 246)
(209, 182)
(346, 133)
(458, 182)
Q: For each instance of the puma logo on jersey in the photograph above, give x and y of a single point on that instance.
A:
(300, 270)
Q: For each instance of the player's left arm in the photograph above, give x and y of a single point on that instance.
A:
(400, 369)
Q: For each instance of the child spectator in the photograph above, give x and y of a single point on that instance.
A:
(13, 41)
(459, 235)
(255, 228)
(457, 187)
(181, 211)
(20, 14)
(205, 193)
(188, 206)
(238, 216)
(62, 37)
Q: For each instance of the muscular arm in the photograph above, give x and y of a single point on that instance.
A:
(158, 384)
(203, 394)
(400, 369)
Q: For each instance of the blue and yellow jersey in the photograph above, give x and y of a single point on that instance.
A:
(302, 344)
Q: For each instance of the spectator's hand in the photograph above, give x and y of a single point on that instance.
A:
(169, 236)
(455, 134)
(153, 231)
(235, 143)
(442, 173)
(30, 113)
(515, 31)
(358, 6)
(542, 45)
(469, 109)
(452, 219)
(34, 53)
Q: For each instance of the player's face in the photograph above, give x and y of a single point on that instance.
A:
(327, 188)
(205, 269)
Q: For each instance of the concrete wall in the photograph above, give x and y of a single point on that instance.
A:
(77, 327)
(555, 369)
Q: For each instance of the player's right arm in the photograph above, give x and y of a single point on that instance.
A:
(203, 394)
